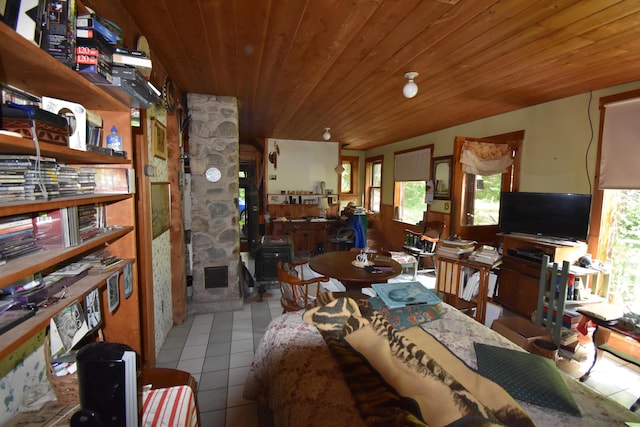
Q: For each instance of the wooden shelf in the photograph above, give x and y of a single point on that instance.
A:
(18, 335)
(18, 268)
(24, 146)
(21, 207)
(25, 65)
(29, 68)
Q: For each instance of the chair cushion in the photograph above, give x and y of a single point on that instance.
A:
(527, 377)
(406, 317)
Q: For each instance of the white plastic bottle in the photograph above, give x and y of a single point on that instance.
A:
(114, 141)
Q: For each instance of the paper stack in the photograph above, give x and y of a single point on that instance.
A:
(455, 248)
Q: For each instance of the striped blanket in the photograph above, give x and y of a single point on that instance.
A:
(406, 378)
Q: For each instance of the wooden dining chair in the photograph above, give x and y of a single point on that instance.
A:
(297, 292)
(168, 377)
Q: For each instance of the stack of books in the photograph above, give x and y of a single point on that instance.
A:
(455, 249)
(88, 222)
(28, 178)
(486, 255)
(95, 42)
(102, 261)
(68, 181)
(403, 294)
(17, 237)
(87, 180)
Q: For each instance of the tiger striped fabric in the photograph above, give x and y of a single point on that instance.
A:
(395, 380)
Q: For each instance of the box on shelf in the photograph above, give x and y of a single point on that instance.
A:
(520, 330)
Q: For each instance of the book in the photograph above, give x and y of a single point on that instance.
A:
(402, 294)
(108, 29)
(135, 61)
(459, 244)
(67, 328)
(58, 30)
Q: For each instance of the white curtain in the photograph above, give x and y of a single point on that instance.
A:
(485, 158)
(620, 153)
(413, 165)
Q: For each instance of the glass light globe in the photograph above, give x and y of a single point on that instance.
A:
(410, 89)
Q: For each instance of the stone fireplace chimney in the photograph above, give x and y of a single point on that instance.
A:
(214, 142)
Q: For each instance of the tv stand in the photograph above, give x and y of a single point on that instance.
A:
(520, 269)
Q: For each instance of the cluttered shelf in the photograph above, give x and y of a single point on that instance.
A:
(23, 64)
(22, 207)
(16, 145)
(18, 268)
(22, 332)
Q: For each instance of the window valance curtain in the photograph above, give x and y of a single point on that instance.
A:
(413, 165)
(620, 149)
(485, 158)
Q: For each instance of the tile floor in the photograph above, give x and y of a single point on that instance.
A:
(217, 350)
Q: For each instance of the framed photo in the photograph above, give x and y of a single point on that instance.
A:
(159, 139)
(127, 278)
(113, 290)
(93, 309)
(442, 177)
(160, 208)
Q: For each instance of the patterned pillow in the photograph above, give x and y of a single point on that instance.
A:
(527, 377)
(406, 317)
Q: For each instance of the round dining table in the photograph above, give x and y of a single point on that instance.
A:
(339, 265)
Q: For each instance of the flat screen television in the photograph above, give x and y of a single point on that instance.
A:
(558, 215)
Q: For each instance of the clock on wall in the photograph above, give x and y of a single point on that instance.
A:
(213, 174)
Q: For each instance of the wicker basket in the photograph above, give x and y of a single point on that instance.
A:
(64, 387)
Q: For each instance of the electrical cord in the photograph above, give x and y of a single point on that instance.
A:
(586, 155)
(34, 136)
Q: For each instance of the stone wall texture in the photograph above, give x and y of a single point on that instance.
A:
(214, 142)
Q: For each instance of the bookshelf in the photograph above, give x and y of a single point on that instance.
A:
(26, 66)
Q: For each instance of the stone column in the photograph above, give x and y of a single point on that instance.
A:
(214, 142)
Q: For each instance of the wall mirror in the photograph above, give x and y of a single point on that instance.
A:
(442, 177)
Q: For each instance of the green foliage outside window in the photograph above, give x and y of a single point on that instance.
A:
(624, 250)
(413, 205)
(345, 183)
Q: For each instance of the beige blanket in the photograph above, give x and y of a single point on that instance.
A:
(408, 378)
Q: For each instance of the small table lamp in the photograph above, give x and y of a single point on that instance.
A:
(323, 205)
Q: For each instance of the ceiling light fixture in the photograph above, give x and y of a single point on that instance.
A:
(410, 89)
(326, 135)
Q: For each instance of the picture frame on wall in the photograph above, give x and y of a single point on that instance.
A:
(127, 279)
(158, 139)
(160, 208)
(93, 309)
(442, 177)
(113, 291)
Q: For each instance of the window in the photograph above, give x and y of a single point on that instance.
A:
(478, 182)
(481, 199)
(349, 175)
(373, 187)
(615, 219)
(411, 171)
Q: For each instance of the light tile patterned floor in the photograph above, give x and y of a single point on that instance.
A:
(217, 350)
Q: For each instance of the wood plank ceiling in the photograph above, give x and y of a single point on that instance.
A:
(298, 66)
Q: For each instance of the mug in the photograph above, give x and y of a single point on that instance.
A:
(362, 257)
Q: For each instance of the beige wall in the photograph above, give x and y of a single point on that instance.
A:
(557, 136)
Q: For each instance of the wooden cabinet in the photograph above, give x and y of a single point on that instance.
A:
(24, 65)
(520, 276)
(305, 235)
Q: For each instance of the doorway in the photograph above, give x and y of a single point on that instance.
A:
(249, 208)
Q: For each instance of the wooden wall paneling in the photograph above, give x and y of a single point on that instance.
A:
(178, 262)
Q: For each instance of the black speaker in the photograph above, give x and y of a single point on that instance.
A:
(107, 385)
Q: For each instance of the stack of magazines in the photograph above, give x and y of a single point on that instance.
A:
(455, 248)
(486, 255)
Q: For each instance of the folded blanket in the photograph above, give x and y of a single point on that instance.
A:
(407, 378)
